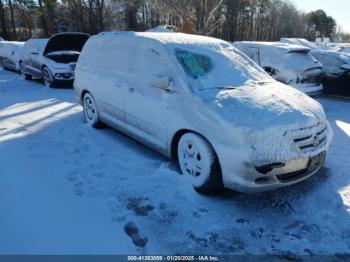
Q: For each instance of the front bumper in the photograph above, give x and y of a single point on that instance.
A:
(291, 172)
(243, 172)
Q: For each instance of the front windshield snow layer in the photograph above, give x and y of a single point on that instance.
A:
(218, 68)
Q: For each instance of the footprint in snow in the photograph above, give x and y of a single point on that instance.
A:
(133, 232)
(79, 188)
(140, 209)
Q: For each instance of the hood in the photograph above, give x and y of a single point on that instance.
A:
(260, 107)
(66, 42)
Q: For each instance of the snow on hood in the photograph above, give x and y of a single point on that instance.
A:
(66, 41)
(267, 115)
(265, 106)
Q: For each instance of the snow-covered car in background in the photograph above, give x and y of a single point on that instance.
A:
(289, 64)
(344, 48)
(2, 45)
(52, 59)
(10, 55)
(163, 29)
(300, 42)
(336, 68)
(201, 101)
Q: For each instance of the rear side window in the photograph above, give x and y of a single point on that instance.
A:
(195, 65)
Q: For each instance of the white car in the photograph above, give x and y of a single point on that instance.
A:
(52, 59)
(202, 102)
(10, 54)
(290, 64)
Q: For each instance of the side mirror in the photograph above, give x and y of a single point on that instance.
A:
(164, 84)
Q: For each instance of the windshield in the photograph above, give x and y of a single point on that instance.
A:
(301, 61)
(223, 67)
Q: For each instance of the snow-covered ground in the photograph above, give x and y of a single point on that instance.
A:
(66, 188)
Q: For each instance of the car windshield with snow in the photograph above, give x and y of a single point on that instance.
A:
(203, 103)
(52, 59)
(289, 64)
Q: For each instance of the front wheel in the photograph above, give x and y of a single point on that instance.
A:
(48, 78)
(90, 111)
(198, 160)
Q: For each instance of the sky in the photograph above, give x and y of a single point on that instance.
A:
(338, 9)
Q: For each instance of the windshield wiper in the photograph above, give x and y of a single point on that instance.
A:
(226, 87)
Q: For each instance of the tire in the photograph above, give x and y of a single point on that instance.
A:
(198, 160)
(90, 111)
(48, 78)
(23, 72)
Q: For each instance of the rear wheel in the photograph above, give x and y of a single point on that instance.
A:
(90, 111)
(198, 160)
(23, 72)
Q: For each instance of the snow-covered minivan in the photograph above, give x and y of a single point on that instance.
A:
(201, 101)
(52, 59)
(290, 64)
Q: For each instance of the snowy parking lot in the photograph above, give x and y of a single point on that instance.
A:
(66, 188)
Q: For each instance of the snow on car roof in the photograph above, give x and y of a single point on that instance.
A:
(283, 47)
(10, 46)
(232, 68)
(300, 41)
(332, 53)
(16, 43)
(173, 39)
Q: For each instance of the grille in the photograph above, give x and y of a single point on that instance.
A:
(311, 138)
(292, 176)
(72, 67)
